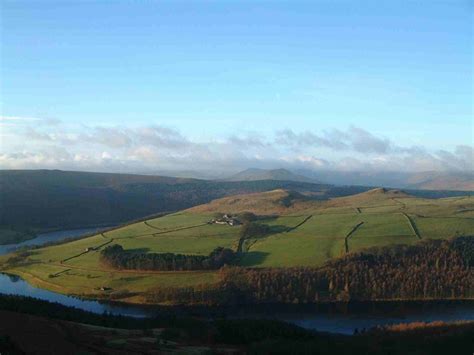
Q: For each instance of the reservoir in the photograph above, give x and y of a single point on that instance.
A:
(343, 319)
(335, 318)
(45, 238)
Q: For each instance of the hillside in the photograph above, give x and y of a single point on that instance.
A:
(286, 202)
(271, 202)
(33, 201)
(276, 174)
(177, 250)
(368, 198)
(37, 200)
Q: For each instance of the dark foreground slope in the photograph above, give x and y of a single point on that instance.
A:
(33, 326)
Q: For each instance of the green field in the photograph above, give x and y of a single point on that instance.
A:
(304, 236)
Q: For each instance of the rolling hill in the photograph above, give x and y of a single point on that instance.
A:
(32, 201)
(271, 202)
(291, 230)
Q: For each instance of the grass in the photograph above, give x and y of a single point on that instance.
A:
(300, 237)
(360, 243)
(442, 227)
(88, 283)
(287, 250)
(383, 225)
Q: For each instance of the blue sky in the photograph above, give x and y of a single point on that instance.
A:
(212, 71)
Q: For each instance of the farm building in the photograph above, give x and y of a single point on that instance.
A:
(226, 219)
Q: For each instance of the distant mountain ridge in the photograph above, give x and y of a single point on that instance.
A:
(254, 174)
(442, 181)
(429, 180)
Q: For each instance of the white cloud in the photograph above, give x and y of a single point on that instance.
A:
(18, 118)
(354, 138)
(132, 149)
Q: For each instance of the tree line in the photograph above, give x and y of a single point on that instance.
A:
(432, 269)
(115, 256)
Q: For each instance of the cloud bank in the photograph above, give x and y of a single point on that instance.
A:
(32, 143)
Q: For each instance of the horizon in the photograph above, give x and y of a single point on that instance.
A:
(221, 87)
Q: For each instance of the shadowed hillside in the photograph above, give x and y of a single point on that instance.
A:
(33, 201)
(38, 200)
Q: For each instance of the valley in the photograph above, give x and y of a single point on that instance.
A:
(298, 231)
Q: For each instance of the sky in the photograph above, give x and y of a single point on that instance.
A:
(144, 85)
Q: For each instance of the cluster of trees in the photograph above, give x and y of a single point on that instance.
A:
(249, 230)
(434, 269)
(119, 258)
(254, 230)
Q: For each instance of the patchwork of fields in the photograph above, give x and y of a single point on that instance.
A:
(308, 234)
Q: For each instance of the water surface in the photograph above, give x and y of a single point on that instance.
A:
(335, 318)
(44, 238)
(343, 319)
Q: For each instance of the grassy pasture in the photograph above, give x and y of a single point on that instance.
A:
(443, 227)
(328, 226)
(359, 243)
(287, 250)
(294, 240)
(383, 225)
(87, 282)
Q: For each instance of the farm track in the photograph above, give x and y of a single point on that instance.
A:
(171, 230)
(241, 243)
(412, 226)
(87, 251)
(60, 272)
(348, 235)
(39, 280)
(159, 233)
(149, 225)
(139, 272)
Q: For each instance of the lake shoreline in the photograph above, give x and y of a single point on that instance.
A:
(332, 317)
(329, 315)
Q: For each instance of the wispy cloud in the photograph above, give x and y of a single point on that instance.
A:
(17, 118)
(50, 144)
(354, 138)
